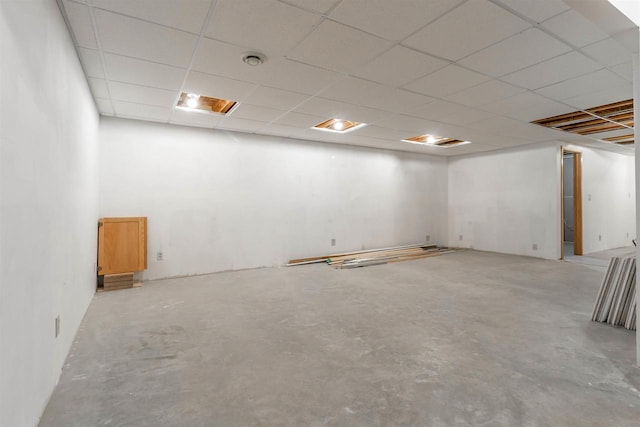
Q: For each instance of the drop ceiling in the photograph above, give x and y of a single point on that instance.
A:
(470, 70)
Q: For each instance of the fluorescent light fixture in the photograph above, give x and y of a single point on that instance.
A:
(435, 141)
(205, 104)
(338, 125)
(630, 8)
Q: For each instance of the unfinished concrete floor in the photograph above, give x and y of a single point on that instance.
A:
(468, 339)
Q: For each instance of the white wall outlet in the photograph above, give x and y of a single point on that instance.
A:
(589, 197)
(534, 246)
(159, 256)
(599, 237)
(333, 242)
(460, 237)
(428, 238)
(57, 326)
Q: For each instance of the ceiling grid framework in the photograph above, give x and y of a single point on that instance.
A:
(395, 66)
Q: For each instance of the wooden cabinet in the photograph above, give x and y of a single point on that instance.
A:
(122, 245)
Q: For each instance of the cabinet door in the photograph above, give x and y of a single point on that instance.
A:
(122, 245)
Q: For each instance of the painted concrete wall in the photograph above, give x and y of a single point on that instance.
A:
(222, 200)
(48, 203)
(507, 201)
(608, 200)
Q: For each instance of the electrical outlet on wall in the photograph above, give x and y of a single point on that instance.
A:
(599, 237)
(57, 326)
(534, 246)
(333, 242)
(460, 237)
(159, 256)
(428, 238)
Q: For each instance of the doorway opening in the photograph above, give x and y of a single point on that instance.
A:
(571, 211)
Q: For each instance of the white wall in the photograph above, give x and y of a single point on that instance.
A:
(48, 203)
(608, 199)
(507, 201)
(223, 200)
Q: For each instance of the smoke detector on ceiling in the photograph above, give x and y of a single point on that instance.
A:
(253, 58)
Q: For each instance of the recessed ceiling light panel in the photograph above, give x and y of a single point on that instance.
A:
(338, 125)
(435, 141)
(205, 104)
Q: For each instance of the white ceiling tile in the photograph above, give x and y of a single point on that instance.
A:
(143, 94)
(92, 63)
(140, 111)
(536, 10)
(628, 39)
(400, 101)
(194, 118)
(355, 91)
(180, 14)
(99, 88)
(242, 125)
(132, 37)
(382, 133)
(333, 109)
(399, 65)
(388, 19)
(438, 110)
(517, 102)
(607, 96)
(446, 81)
(298, 77)
(608, 52)
(540, 110)
(275, 98)
(484, 93)
(300, 120)
(624, 70)
(339, 48)
(467, 29)
(283, 131)
(320, 6)
(268, 26)
(104, 106)
(466, 115)
(552, 71)
(80, 21)
(373, 95)
(217, 87)
(136, 71)
(256, 112)
(574, 28)
(224, 59)
(412, 126)
(505, 126)
(517, 52)
(592, 82)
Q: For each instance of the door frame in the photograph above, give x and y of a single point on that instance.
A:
(577, 201)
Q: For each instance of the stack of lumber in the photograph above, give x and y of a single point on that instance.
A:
(112, 282)
(616, 301)
(374, 256)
